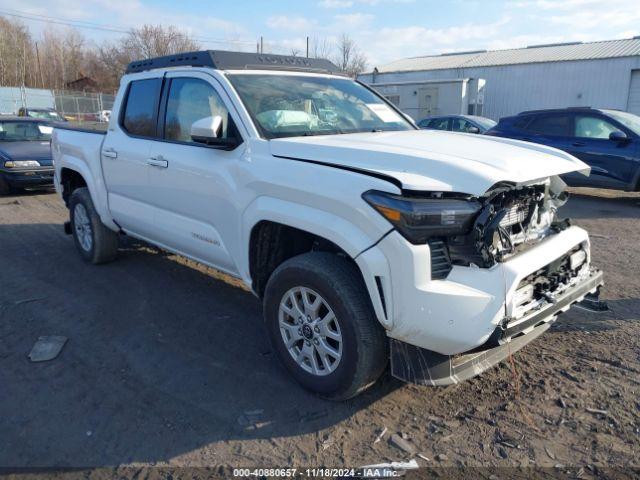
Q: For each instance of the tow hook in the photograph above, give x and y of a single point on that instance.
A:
(593, 303)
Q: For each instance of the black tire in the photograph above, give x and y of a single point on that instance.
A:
(5, 189)
(104, 242)
(338, 281)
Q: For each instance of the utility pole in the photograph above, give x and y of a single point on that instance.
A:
(39, 66)
(307, 46)
(261, 44)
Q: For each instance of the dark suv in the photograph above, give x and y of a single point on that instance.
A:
(607, 140)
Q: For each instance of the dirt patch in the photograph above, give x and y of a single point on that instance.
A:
(168, 363)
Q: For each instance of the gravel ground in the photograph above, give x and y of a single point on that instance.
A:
(168, 364)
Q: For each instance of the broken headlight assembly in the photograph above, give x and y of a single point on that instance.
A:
(420, 218)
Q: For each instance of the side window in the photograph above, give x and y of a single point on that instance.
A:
(593, 127)
(423, 123)
(191, 99)
(141, 108)
(460, 125)
(521, 122)
(552, 125)
(439, 123)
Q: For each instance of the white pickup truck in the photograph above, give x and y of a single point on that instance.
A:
(367, 239)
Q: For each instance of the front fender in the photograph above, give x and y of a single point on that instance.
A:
(327, 225)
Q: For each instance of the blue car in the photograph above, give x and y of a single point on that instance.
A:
(607, 140)
(25, 153)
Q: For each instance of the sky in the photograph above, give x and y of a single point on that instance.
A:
(385, 30)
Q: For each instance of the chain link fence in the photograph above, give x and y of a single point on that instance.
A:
(77, 107)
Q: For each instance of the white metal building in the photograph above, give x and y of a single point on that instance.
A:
(504, 82)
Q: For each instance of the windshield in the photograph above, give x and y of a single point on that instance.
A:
(45, 114)
(629, 120)
(16, 131)
(298, 105)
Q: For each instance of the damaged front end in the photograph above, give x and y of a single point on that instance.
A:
(511, 220)
(514, 238)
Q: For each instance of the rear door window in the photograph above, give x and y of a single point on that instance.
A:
(551, 125)
(141, 110)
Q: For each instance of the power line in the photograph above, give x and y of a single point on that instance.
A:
(106, 28)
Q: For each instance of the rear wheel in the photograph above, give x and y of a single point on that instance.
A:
(322, 325)
(95, 242)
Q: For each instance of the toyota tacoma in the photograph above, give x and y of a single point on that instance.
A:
(368, 240)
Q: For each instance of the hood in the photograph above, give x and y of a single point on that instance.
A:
(431, 160)
(37, 150)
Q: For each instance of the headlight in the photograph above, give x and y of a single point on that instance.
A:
(418, 219)
(21, 163)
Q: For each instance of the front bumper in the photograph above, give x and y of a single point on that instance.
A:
(425, 367)
(36, 177)
(460, 313)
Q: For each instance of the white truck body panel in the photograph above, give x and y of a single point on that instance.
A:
(206, 202)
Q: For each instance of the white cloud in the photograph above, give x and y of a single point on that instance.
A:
(378, 2)
(291, 23)
(583, 14)
(353, 20)
(336, 3)
(390, 43)
(351, 3)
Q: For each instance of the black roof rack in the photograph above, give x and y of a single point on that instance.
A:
(225, 60)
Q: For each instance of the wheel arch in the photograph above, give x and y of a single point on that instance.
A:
(74, 174)
(305, 229)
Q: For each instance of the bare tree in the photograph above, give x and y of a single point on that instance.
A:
(320, 48)
(63, 55)
(349, 57)
(156, 41)
(110, 60)
(17, 54)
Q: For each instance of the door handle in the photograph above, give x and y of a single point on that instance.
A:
(109, 153)
(158, 162)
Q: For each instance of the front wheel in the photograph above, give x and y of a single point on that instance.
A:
(95, 242)
(322, 325)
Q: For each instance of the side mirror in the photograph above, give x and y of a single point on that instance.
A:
(208, 130)
(473, 129)
(618, 136)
